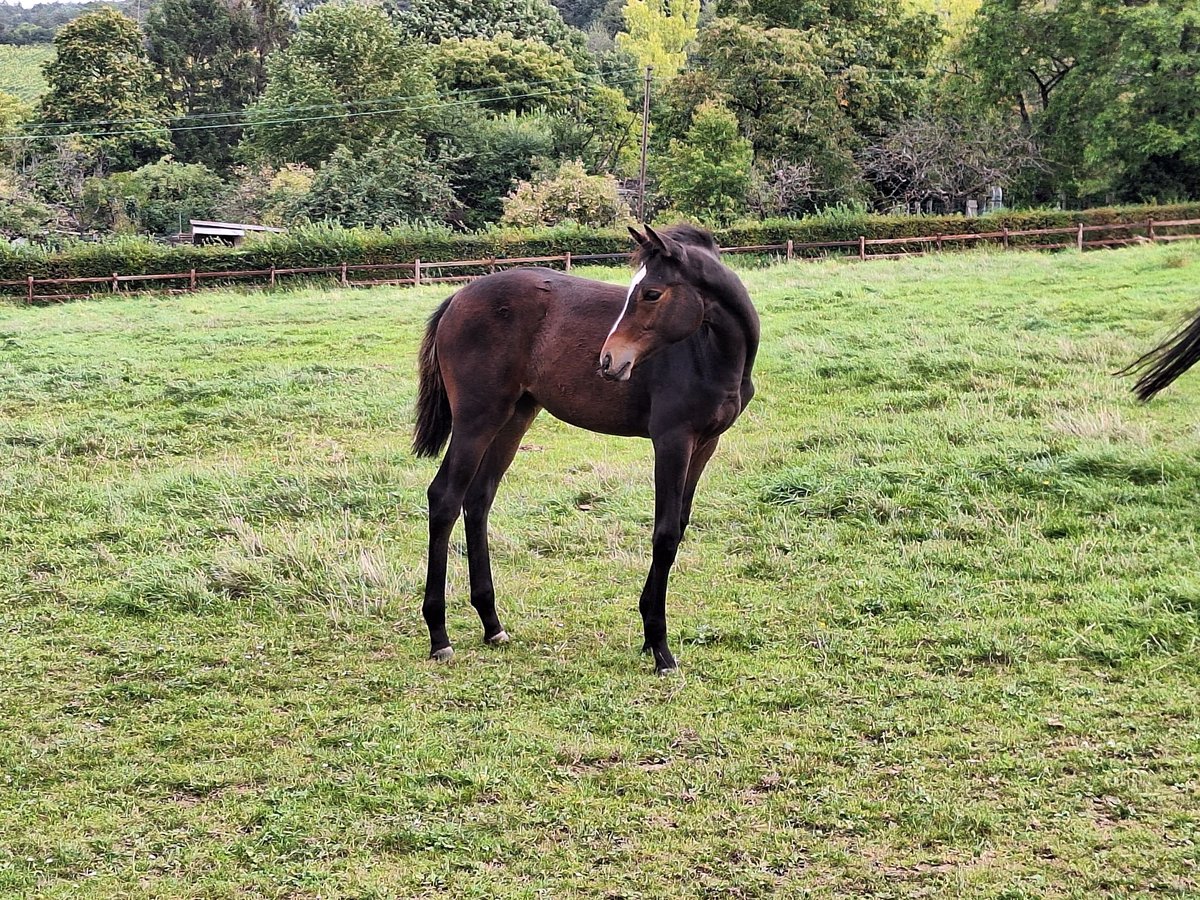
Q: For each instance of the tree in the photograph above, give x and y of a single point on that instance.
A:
(506, 73)
(948, 159)
(21, 213)
(876, 53)
(212, 54)
(567, 194)
(266, 195)
(104, 89)
(657, 32)
(1109, 91)
(14, 113)
(494, 154)
(158, 198)
(392, 183)
(601, 131)
(433, 21)
(345, 80)
(706, 175)
(775, 83)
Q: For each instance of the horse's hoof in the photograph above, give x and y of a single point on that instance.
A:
(500, 637)
(667, 673)
(444, 655)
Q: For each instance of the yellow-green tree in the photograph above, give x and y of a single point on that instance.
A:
(657, 32)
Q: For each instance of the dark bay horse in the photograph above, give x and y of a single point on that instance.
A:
(1166, 362)
(668, 359)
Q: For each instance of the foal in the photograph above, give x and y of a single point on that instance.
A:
(668, 359)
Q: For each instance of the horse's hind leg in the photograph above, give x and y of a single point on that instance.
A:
(477, 506)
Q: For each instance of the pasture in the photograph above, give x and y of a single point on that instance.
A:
(21, 70)
(936, 615)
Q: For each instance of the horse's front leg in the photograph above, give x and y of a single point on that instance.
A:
(672, 454)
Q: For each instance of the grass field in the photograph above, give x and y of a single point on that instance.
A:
(21, 70)
(937, 615)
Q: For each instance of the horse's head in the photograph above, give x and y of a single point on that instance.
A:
(663, 305)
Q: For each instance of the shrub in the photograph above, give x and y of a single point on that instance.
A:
(567, 195)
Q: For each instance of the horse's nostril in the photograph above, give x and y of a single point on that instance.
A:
(606, 362)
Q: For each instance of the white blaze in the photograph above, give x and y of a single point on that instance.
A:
(637, 279)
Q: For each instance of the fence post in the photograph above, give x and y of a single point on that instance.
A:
(1079, 238)
(567, 260)
(1005, 237)
(192, 279)
(790, 250)
(939, 243)
(272, 277)
(29, 287)
(1150, 230)
(862, 246)
(417, 272)
(116, 284)
(345, 282)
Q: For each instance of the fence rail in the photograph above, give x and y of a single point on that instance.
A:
(418, 272)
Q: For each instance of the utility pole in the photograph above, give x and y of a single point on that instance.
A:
(645, 141)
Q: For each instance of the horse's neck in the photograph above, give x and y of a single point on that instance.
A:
(733, 322)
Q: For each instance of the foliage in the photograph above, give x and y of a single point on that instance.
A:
(780, 187)
(14, 113)
(948, 158)
(505, 73)
(265, 195)
(568, 194)
(494, 153)
(392, 183)
(875, 52)
(21, 213)
(158, 198)
(706, 175)
(345, 80)
(774, 80)
(212, 55)
(433, 21)
(1109, 91)
(101, 81)
(658, 32)
(600, 130)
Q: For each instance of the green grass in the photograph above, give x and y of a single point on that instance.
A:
(21, 70)
(937, 615)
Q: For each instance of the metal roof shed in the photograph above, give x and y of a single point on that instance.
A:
(231, 233)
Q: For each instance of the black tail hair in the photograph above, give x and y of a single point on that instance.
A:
(433, 406)
(1166, 362)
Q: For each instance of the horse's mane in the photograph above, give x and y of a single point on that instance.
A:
(686, 234)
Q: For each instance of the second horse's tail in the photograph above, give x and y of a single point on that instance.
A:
(1166, 362)
(433, 405)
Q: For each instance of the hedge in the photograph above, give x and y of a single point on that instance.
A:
(328, 245)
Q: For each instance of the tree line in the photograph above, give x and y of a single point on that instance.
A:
(523, 113)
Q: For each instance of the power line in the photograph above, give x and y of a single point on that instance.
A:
(574, 81)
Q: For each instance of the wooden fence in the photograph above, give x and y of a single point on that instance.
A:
(418, 272)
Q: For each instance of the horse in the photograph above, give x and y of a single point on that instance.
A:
(669, 359)
(1160, 366)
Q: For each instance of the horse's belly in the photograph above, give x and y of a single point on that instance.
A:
(605, 407)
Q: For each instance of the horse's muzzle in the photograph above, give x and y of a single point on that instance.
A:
(613, 371)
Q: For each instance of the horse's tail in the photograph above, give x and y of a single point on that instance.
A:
(1166, 362)
(433, 405)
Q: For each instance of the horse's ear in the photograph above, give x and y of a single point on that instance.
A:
(637, 236)
(668, 247)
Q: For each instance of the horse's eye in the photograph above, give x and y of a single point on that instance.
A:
(651, 295)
